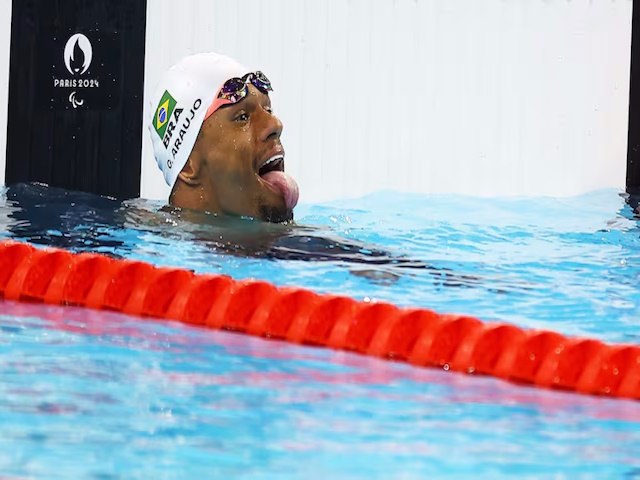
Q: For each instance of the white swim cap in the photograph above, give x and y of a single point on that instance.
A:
(180, 103)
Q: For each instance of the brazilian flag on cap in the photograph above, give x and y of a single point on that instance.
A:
(163, 113)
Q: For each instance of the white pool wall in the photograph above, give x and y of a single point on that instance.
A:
(491, 97)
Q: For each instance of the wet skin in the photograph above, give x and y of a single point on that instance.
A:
(222, 173)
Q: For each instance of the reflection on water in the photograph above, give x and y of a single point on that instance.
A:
(77, 383)
(60, 218)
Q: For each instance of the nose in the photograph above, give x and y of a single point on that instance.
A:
(272, 127)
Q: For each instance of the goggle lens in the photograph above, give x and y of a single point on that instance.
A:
(235, 89)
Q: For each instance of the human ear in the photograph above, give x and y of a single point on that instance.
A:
(190, 172)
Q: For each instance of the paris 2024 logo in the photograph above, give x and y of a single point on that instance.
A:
(78, 54)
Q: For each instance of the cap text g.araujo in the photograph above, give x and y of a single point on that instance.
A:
(166, 121)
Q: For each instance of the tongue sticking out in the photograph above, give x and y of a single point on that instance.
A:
(285, 184)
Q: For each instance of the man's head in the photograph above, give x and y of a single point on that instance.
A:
(217, 141)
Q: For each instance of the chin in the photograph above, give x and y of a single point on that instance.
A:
(275, 214)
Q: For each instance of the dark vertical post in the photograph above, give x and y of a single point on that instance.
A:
(75, 94)
(633, 139)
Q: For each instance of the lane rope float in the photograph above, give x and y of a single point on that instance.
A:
(417, 336)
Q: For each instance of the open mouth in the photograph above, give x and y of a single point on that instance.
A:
(273, 164)
(271, 174)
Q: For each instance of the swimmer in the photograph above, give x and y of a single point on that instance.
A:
(217, 140)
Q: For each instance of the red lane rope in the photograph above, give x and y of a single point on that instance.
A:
(420, 337)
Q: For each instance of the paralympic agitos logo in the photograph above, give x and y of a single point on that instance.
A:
(165, 122)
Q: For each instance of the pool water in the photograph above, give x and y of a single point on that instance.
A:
(86, 394)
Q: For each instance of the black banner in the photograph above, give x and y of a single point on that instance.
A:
(75, 94)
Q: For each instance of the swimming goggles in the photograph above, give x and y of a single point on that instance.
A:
(235, 89)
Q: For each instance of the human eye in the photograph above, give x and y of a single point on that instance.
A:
(268, 109)
(241, 116)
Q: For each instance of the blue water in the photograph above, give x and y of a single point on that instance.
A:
(87, 394)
